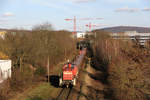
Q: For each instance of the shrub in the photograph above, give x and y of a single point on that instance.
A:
(40, 71)
(127, 68)
(33, 48)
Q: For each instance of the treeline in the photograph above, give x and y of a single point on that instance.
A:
(30, 52)
(34, 47)
(126, 66)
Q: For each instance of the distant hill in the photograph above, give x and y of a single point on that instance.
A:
(127, 28)
(3, 29)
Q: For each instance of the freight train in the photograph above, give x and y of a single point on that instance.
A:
(70, 71)
(82, 44)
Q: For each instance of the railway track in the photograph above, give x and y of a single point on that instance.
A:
(64, 94)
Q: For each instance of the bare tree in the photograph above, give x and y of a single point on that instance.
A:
(43, 26)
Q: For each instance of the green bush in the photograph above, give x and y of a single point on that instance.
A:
(35, 98)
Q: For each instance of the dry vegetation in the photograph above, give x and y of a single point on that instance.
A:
(29, 52)
(126, 66)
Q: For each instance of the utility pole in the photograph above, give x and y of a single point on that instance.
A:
(48, 68)
(20, 64)
(65, 54)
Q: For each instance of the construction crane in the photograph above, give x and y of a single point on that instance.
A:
(75, 20)
(90, 25)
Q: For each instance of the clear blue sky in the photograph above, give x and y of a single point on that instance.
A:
(26, 13)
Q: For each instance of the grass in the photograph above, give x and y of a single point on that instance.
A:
(43, 91)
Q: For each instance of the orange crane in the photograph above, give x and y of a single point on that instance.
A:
(90, 25)
(75, 19)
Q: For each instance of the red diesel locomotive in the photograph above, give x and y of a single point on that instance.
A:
(70, 71)
(68, 75)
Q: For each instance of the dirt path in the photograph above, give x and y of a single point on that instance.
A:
(92, 89)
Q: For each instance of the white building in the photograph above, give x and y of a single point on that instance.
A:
(5, 70)
(81, 34)
(133, 35)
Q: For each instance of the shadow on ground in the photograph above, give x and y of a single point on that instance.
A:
(101, 65)
(54, 80)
